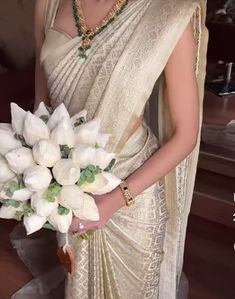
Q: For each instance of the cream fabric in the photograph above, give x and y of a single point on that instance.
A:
(139, 252)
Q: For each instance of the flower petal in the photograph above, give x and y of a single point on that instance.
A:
(5, 172)
(57, 116)
(84, 155)
(63, 133)
(19, 159)
(71, 197)
(88, 133)
(90, 210)
(9, 212)
(35, 129)
(41, 206)
(46, 153)
(33, 223)
(37, 178)
(42, 110)
(60, 222)
(66, 172)
(8, 141)
(103, 158)
(18, 116)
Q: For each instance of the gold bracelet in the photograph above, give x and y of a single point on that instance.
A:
(127, 193)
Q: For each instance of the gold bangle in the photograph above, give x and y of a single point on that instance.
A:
(127, 193)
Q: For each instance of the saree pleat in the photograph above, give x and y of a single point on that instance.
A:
(138, 254)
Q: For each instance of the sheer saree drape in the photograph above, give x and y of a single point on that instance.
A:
(115, 83)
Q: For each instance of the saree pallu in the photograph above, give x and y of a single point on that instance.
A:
(139, 252)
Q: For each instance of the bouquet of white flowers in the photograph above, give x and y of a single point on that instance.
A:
(50, 165)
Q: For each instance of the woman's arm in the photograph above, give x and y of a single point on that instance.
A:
(182, 95)
(41, 91)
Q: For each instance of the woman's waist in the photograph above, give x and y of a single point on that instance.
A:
(137, 149)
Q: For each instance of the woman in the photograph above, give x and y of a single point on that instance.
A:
(136, 251)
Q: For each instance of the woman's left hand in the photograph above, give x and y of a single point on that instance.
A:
(107, 205)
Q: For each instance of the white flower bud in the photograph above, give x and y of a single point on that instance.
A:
(33, 223)
(104, 182)
(5, 172)
(87, 133)
(19, 159)
(103, 158)
(46, 153)
(37, 178)
(8, 141)
(89, 211)
(57, 116)
(63, 133)
(60, 222)
(35, 129)
(66, 172)
(41, 206)
(84, 155)
(72, 197)
(42, 110)
(18, 116)
(9, 212)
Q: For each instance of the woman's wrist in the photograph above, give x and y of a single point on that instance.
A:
(119, 200)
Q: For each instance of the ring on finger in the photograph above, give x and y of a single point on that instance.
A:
(81, 225)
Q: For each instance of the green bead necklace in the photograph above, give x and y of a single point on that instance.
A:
(88, 34)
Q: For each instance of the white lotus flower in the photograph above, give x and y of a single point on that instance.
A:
(72, 197)
(88, 133)
(9, 212)
(103, 158)
(60, 222)
(84, 155)
(46, 153)
(89, 210)
(5, 172)
(42, 110)
(19, 159)
(18, 116)
(41, 206)
(104, 182)
(57, 116)
(75, 117)
(33, 223)
(103, 139)
(6, 126)
(8, 141)
(37, 178)
(35, 129)
(20, 195)
(63, 133)
(66, 172)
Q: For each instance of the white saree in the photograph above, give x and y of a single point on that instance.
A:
(139, 252)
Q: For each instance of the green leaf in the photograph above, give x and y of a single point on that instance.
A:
(13, 186)
(49, 109)
(91, 167)
(47, 225)
(19, 215)
(88, 173)
(28, 210)
(11, 203)
(62, 210)
(65, 151)
(110, 166)
(52, 192)
(97, 145)
(45, 118)
(22, 140)
(90, 179)
(79, 121)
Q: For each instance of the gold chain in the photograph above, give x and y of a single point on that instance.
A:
(89, 33)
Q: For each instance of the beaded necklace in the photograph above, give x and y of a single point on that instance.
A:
(88, 34)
